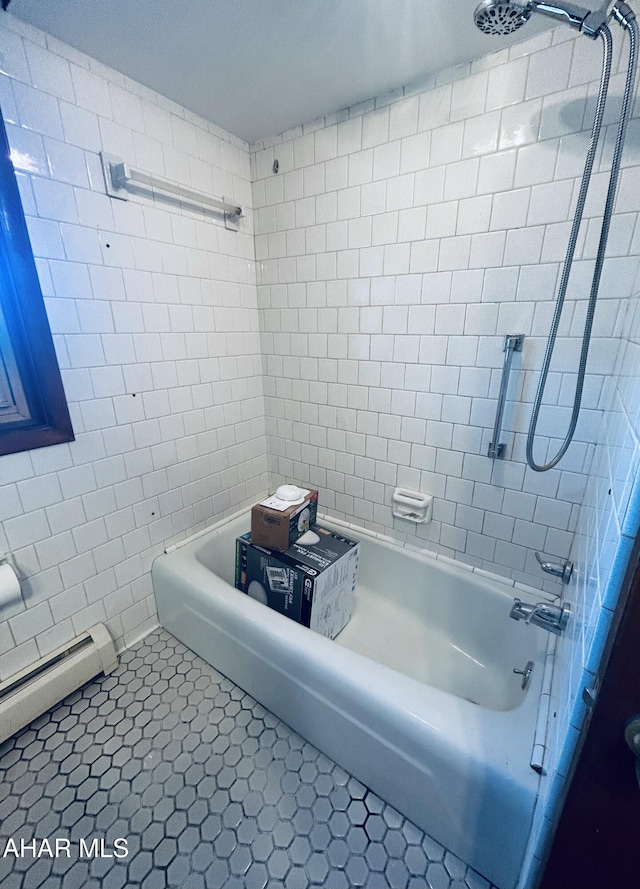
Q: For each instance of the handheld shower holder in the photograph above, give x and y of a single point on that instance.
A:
(597, 19)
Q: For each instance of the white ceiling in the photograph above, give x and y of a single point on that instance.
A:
(259, 67)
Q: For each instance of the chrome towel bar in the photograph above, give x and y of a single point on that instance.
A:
(118, 175)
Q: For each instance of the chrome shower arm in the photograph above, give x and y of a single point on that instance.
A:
(585, 20)
(567, 13)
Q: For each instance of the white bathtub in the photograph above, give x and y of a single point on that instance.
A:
(417, 697)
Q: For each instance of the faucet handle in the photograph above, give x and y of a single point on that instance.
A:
(563, 569)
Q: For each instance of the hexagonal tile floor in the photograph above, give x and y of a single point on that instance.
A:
(203, 788)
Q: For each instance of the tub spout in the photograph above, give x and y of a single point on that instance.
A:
(553, 618)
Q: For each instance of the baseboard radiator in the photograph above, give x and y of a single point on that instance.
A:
(37, 688)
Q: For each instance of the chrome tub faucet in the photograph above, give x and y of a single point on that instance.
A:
(553, 618)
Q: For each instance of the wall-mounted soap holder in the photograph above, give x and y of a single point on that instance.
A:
(412, 505)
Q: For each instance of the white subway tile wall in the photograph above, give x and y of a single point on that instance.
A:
(153, 310)
(608, 523)
(395, 249)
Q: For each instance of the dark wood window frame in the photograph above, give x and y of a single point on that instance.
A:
(33, 406)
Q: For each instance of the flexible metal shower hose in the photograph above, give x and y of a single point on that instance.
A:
(630, 24)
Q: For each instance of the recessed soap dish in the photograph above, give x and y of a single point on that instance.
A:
(412, 505)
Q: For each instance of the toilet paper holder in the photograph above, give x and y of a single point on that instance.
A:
(10, 581)
(7, 559)
(412, 505)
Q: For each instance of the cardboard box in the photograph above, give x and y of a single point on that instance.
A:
(277, 523)
(313, 584)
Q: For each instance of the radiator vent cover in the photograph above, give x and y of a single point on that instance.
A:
(37, 688)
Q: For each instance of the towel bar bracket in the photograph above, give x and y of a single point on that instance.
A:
(496, 451)
(513, 341)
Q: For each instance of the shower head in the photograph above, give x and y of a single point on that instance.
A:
(501, 17)
(506, 16)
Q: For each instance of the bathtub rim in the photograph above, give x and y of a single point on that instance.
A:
(421, 552)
